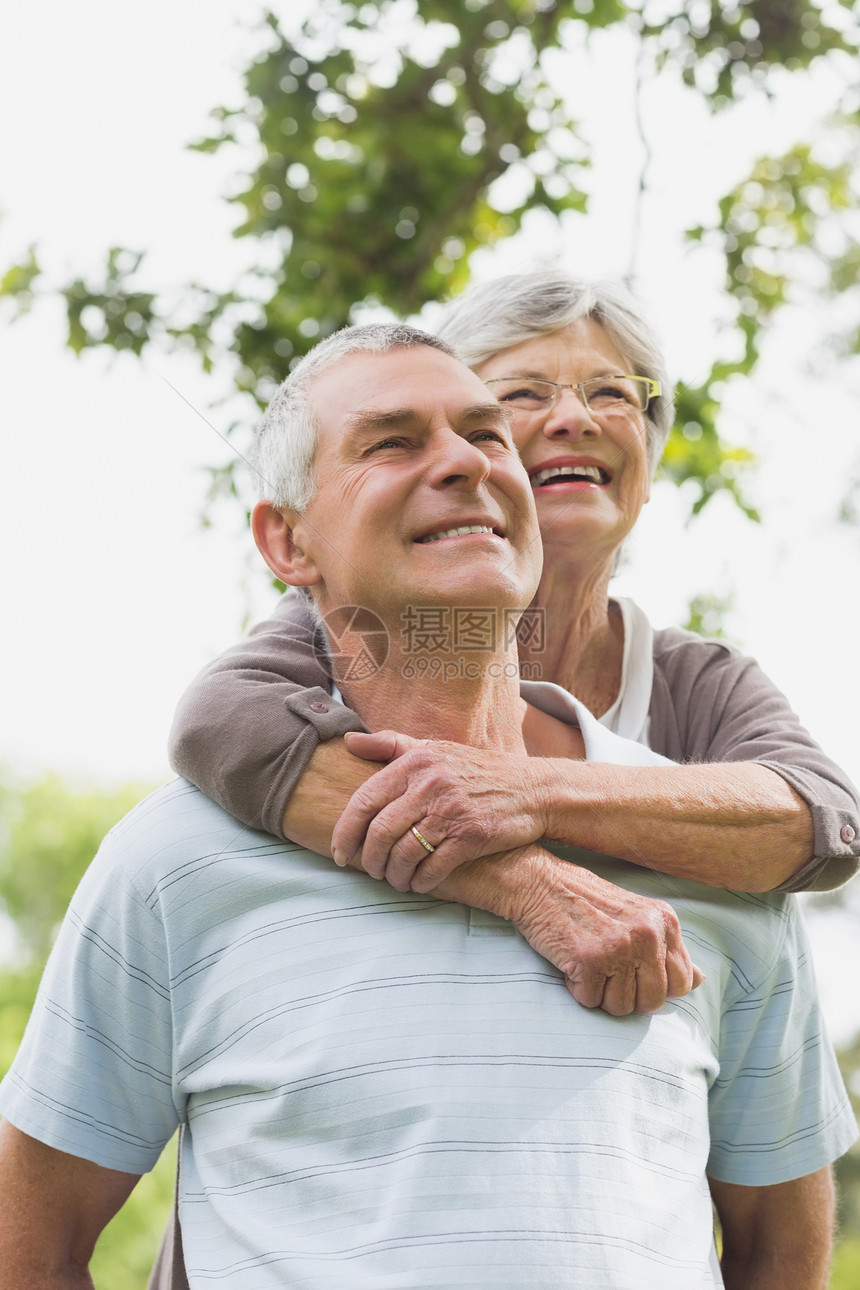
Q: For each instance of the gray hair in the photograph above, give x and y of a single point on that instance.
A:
(283, 458)
(493, 316)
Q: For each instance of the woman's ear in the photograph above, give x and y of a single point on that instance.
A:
(278, 534)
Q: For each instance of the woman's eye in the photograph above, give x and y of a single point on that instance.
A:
(611, 394)
(524, 395)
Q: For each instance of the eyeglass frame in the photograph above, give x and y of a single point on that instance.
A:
(653, 387)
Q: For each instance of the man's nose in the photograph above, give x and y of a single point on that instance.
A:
(457, 460)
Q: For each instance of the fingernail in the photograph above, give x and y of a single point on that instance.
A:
(340, 858)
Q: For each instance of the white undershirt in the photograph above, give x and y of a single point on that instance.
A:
(628, 715)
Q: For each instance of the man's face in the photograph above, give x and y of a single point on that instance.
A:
(411, 449)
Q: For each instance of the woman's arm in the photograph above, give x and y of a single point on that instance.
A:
(735, 826)
(712, 704)
(757, 806)
(247, 726)
(247, 731)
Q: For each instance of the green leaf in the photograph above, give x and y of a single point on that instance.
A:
(17, 282)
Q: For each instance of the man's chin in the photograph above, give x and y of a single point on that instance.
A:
(502, 588)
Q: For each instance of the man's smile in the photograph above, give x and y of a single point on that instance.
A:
(460, 531)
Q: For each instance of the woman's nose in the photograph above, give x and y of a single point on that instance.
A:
(570, 415)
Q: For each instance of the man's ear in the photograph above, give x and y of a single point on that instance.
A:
(278, 534)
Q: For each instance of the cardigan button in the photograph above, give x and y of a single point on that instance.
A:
(323, 707)
(846, 833)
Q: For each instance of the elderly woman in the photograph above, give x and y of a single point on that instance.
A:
(753, 804)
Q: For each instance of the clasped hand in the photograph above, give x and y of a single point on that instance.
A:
(467, 802)
(483, 812)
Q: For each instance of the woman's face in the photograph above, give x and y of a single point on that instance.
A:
(596, 509)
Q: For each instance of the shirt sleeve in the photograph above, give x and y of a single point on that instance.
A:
(94, 1074)
(248, 725)
(711, 703)
(778, 1108)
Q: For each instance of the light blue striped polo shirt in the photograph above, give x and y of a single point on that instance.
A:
(387, 1090)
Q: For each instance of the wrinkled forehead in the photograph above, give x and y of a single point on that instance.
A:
(582, 344)
(416, 383)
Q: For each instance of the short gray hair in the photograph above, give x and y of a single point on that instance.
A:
(493, 316)
(283, 458)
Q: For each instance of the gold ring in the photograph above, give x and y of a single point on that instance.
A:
(425, 844)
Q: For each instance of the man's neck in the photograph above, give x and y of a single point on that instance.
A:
(467, 697)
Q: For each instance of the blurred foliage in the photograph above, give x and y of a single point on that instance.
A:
(124, 317)
(788, 233)
(49, 832)
(379, 145)
(785, 225)
(725, 49)
(16, 284)
(127, 1247)
(694, 451)
(706, 615)
(848, 1168)
(846, 1265)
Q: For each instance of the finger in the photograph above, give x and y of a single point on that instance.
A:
(390, 840)
(587, 986)
(367, 801)
(371, 747)
(380, 745)
(681, 973)
(650, 988)
(404, 859)
(622, 992)
(435, 869)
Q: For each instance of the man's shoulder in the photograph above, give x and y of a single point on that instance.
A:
(179, 827)
(177, 807)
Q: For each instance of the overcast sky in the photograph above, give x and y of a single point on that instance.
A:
(114, 596)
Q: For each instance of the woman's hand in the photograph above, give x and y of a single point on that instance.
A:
(618, 950)
(466, 802)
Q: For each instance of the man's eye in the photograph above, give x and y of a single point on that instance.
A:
(387, 443)
(495, 435)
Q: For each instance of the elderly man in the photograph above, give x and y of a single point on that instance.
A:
(381, 1088)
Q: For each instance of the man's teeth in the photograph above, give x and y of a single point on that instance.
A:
(594, 473)
(446, 533)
